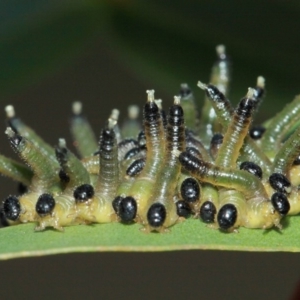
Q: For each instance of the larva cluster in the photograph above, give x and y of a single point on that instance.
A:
(214, 165)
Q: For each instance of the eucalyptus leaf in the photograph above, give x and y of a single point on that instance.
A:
(23, 241)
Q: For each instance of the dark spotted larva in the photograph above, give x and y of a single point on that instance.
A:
(213, 164)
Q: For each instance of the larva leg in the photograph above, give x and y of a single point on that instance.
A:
(261, 214)
(55, 212)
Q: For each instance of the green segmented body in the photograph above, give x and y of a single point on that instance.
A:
(82, 133)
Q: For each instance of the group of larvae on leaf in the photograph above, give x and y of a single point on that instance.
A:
(215, 165)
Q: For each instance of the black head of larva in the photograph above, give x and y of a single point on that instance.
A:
(256, 132)
(280, 183)
(83, 193)
(156, 215)
(12, 208)
(45, 205)
(127, 209)
(190, 190)
(227, 216)
(207, 212)
(281, 203)
(252, 168)
(183, 209)
(116, 204)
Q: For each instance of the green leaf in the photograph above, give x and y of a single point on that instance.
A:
(23, 241)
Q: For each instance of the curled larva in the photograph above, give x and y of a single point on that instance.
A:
(217, 167)
(162, 212)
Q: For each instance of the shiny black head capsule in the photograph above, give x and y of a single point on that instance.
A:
(280, 203)
(280, 183)
(190, 190)
(156, 215)
(127, 209)
(227, 216)
(256, 132)
(116, 203)
(11, 208)
(252, 168)
(183, 209)
(45, 205)
(207, 212)
(83, 193)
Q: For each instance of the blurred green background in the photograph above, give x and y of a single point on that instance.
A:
(106, 54)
